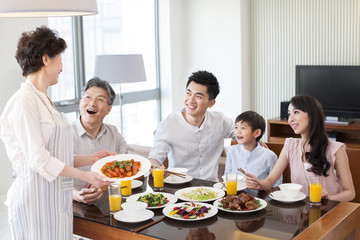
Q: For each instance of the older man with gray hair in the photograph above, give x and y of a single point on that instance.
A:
(91, 134)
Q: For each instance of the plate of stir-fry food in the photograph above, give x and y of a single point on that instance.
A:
(121, 167)
(241, 203)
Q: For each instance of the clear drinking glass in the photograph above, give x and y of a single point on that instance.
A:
(126, 188)
(114, 197)
(315, 191)
(231, 183)
(158, 176)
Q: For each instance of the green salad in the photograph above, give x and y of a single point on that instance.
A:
(153, 200)
(200, 194)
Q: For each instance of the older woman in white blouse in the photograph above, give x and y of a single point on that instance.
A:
(39, 144)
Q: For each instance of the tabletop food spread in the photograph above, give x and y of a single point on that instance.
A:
(183, 205)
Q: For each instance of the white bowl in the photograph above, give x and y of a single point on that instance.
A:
(134, 207)
(177, 170)
(239, 178)
(290, 190)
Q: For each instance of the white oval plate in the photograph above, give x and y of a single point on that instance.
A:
(262, 202)
(180, 181)
(212, 211)
(136, 183)
(180, 194)
(145, 165)
(240, 187)
(123, 217)
(279, 196)
(170, 197)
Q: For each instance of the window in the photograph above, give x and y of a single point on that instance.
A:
(121, 27)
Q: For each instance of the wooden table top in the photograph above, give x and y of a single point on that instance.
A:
(277, 221)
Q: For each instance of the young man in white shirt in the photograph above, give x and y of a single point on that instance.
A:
(193, 138)
(91, 134)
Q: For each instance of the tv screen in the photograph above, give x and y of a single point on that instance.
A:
(336, 87)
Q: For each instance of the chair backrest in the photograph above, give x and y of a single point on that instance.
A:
(354, 164)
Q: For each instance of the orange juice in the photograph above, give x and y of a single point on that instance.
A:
(115, 203)
(158, 177)
(314, 214)
(231, 187)
(315, 192)
(126, 191)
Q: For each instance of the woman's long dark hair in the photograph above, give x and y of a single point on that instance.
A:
(317, 137)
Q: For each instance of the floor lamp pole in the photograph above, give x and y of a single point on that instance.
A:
(121, 112)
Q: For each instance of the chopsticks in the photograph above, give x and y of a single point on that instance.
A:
(177, 174)
(103, 188)
(148, 225)
(221, 182)
(262, 186)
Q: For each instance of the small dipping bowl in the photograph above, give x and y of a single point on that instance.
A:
(177, 170)
(290, 190)
(134, 208)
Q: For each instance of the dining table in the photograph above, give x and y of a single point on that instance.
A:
(278, 220)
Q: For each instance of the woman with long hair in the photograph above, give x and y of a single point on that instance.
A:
(311, 155)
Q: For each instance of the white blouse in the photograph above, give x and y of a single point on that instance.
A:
(26, 127)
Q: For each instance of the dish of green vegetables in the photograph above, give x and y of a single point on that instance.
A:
(154, 200)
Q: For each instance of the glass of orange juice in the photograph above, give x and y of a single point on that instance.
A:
(231, 183)
(114, 197)
(158, 176)
(315, 191)
(126, 188)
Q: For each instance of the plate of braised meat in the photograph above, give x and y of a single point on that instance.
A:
(242, 203)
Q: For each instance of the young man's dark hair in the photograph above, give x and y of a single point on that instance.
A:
(208, 79)
(255, 121)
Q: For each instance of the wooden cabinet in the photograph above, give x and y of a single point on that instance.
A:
(279, 129)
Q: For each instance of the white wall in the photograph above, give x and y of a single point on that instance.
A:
(207, 35)
(289, 33)
(11, 78)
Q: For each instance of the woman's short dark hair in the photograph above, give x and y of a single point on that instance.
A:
(255, 120)
(208, 79)
(317, 137)
(33, 45)
(97, 82)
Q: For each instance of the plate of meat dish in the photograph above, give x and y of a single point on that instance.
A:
(121, 167)
(242, 203)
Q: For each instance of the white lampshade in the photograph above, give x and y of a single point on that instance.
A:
(47, 8)
(120, 68)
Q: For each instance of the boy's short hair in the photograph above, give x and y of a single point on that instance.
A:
(255, 120)
(208, 79)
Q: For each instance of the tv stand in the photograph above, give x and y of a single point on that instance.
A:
(279, 129)
(336, 120)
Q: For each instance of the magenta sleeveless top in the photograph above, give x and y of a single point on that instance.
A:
(292, 150)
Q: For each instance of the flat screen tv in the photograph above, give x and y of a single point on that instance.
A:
(336, 87)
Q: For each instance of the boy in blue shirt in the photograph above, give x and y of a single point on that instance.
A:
(248, 154)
